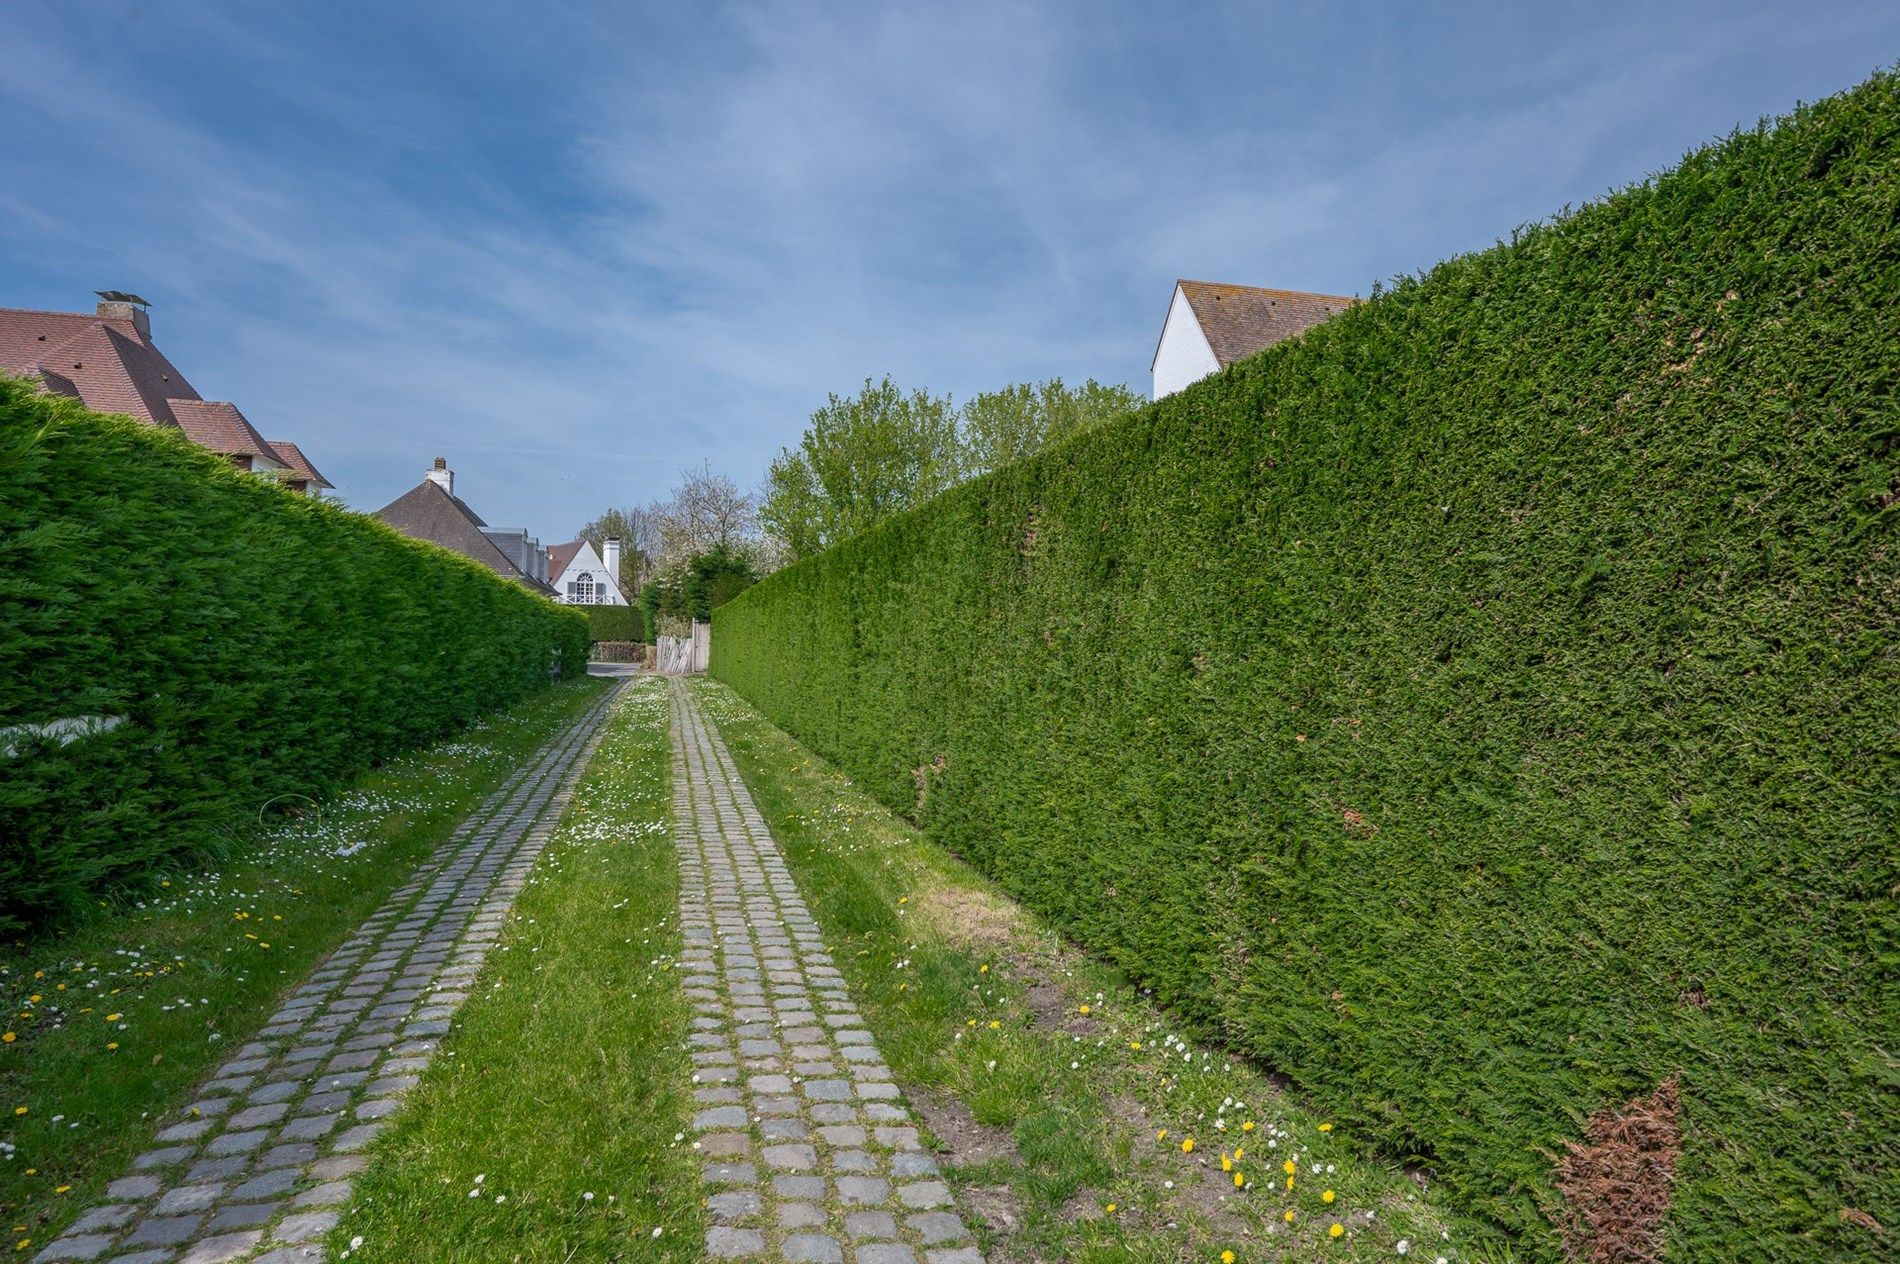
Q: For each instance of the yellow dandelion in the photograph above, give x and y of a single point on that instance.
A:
(1337, 1229)
(33, 999)
(167, 882)
(113, 1018)
(995, 1024)
(903, 899)
(1289, 1215)
(112, 1044)
(984, 968)
(1325, 1127)
(62, 1189)
(1110, 1209)
(1187, 1146)
(1240, 1180)
(1328, 1196)
(1082, 1009)
(8, 1038)
(24, 1243)
(1289, 1182)
(1247, 1127)
(1162, 1135)
(19, 1110)
(1291, 1167)
(1226, 1257)
(1226, 1164)
(1134, 1044)
(1238, 1152)
(970, 1023)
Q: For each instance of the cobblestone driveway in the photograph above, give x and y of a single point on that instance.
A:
(260, 1163)
(810, 1152)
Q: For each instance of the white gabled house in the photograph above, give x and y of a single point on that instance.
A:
(1210, 326)
(582, 577)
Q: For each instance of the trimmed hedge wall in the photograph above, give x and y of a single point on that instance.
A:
(1483, 708)
(615, 623)
(257, 642)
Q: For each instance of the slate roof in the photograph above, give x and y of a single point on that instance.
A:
(293, 457)
(426, 512)
(1240, 320)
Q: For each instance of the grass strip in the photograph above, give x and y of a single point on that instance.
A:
(1061, 1097)
(551, 1124)
(109, 1025)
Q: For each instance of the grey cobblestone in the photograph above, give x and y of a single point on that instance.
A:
(811, 1091)
(269, 1121)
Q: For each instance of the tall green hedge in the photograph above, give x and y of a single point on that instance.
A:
(256, 643)
(1483, 708)
(615, 623)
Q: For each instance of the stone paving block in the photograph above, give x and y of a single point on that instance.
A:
(728, 1243)
(863, 1190)
(870, 1224)
(85, 1246)
(304, 1226)
(801, 1215)
(222, 1248)
(790, 1157)
(327, 1194)
(242, 1216)
(886, 1253)
(955, 1255)
(163, 1230)
(110, 1216)
(913, 1164)
(186, 1198)
(735, 1205)
(811, 1248)
(938, 1226)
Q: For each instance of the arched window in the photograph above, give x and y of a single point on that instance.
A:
(584, 589)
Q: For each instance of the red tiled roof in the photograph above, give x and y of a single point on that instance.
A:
(221, 428)
(105, 362)
(293, 457)
(111, 366)
(1240, 320)
(559, 555)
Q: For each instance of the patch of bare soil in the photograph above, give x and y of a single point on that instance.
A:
(1616, 1181)
(994, 1205)
(965, 1140)
(973, 918)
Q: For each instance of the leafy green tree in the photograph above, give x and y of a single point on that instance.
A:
(1001, 427)
(716, 577)
(862, 460)
(635, 529)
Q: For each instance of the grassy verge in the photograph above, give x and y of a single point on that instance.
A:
(108, 1026)
(1060, 1096)
(551, 1125)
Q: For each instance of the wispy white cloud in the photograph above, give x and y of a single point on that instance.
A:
(576, 247)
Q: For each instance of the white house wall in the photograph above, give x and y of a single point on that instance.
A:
(1184, 356)
(586, 561)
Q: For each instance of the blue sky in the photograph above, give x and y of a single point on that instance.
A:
(575, 247)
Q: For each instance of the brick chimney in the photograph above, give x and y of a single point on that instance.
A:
(127, 311)
(442, 476)
(610, 554)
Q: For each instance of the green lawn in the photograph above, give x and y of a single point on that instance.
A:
(552, 1124)
(1062, 1097)
(110, 1025)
